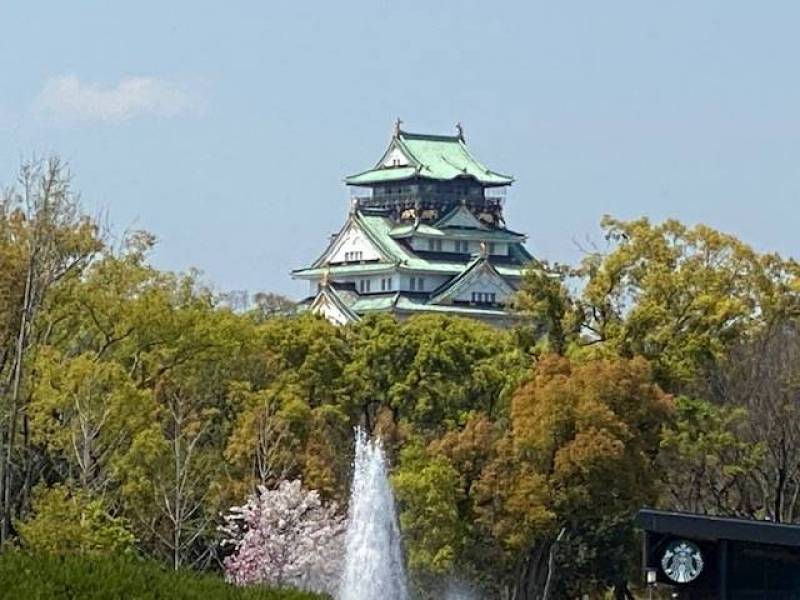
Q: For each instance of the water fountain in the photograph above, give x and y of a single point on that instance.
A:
(373, 567)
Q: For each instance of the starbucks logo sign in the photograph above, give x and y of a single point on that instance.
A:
(682, 561)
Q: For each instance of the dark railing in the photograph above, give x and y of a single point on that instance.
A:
(426, 201)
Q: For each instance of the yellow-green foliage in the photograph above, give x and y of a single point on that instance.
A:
(70, 522)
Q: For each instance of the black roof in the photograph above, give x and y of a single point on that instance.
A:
(705, 527)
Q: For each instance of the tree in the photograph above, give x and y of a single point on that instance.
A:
(54, 242)
(270, 305)
(430, 371)
(180, 473)
(582, 441)
(285, 536)
(676, 295)
(87, 414)
(550, 306)
(429, 491)
(707, 458)
(68, 521)
(761, 376)
(435, 487)
(289, 420)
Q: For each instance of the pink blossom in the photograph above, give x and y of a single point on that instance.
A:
(285, 537)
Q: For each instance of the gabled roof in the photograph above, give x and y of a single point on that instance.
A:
(360, 221)
(329, 298)
(460, 216)
(478, 267)
(438, 157)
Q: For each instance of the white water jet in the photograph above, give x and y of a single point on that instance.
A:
(373, 567)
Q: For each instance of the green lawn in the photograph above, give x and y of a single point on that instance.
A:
(30, 577)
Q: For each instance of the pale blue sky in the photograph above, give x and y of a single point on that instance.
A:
(225, 128)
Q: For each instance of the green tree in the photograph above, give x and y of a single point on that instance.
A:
(87, 414)
(707, 458)
(52, 242)
(65, 521)
(430, 371)
(582, 441)
(676, 295)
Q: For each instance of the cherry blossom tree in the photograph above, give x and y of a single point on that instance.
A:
(285, 537)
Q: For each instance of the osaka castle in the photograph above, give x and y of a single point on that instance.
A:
(425, 233)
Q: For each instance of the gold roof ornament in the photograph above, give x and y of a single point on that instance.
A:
(484, 249)
(397, 124)
(326, 276)
(460, 131)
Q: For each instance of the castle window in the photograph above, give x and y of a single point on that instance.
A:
(413, 284)
(435, 245)
(462, 246)
(490, 247)
(386, 284)
(484, 297)
(353, 256)
(364, 285)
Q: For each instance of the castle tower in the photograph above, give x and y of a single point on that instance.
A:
(425, 233)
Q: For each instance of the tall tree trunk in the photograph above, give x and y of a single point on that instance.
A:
(531, 578)
(13, 408)
(551, 565)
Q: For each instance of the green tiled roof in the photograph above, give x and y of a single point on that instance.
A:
(380, 230)
(340, 303)
(374, 303)
(406, 303)
(460, 281)
(382, 175)
(439, 157)
(350, 269)
(489, 235)
(402, 231)
(419, 265)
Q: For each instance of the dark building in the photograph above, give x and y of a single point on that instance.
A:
(702, 557)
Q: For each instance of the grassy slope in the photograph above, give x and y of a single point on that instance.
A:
(52, 577)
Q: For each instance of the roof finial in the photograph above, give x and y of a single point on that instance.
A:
(397, 124)
(460, 131)
(484, 250)
(326, 276)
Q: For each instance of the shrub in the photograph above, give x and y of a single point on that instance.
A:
(61, 577)
(69, 522)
